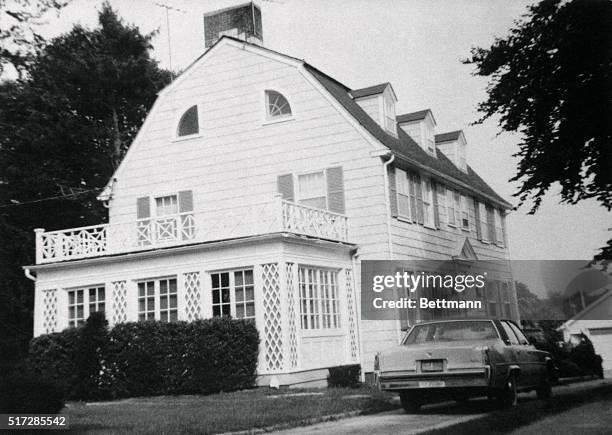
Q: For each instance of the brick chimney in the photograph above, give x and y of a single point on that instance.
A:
(242, 22)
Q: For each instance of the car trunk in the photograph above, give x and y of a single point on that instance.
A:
(436, 357)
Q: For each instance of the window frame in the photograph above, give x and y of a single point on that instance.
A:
(449, 200)
(313, 313)
(484, 225)
(399, 174)
(177, 120)
(267, 118)
(465, 212)
(298, 193)
(86, 303)
(231, 287)
(157, 297)
(428, 203)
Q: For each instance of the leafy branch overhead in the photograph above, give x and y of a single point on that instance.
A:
(550, 79)
(19, 29)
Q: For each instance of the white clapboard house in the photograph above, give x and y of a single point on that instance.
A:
(253, 189)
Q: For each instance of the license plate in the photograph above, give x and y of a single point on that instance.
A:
(431, 384)
(432, 366)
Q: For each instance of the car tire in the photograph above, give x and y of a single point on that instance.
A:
(508, 397)
(409, 403)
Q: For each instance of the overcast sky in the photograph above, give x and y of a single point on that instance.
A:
(417, 46)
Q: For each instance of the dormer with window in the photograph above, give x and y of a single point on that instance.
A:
(453, 145)
(420, 126)
(379, 102)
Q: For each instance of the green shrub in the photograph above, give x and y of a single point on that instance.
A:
(344, 376)
(53, 357)
(149, 358)
(22, 391)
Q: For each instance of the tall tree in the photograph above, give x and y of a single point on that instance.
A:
(19, 34)
(551, 80)
(64, 127)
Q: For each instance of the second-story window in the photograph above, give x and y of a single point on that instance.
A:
(277, 106)
(403, 194)
(311, 189)
(188, 124)
(428, 211)
(465, 214)
(166, 207)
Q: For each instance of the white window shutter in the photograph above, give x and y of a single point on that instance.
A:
(335, 189)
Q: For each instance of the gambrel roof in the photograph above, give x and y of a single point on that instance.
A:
(403, 146)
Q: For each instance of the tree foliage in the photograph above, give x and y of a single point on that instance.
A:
(551, 80)
(64, 127)
(19, 34)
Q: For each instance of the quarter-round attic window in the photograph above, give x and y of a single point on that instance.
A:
(188, 124)
(277, 105)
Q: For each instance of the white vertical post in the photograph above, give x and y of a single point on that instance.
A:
(131, 296)
(284, 312)
(38, 232)
(344, 318)
(298, 319)
(259, 316)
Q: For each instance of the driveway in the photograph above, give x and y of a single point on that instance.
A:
(479, 416)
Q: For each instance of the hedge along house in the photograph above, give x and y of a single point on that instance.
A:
(253, 188)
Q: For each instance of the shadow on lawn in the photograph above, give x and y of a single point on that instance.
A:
(528, 411)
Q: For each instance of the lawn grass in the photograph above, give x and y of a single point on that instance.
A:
(224, 412)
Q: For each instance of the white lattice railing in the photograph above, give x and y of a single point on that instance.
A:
(185, 228)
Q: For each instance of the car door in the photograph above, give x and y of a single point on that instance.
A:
(535, 361)
(518, 354)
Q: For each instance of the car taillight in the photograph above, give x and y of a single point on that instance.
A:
(485, 357)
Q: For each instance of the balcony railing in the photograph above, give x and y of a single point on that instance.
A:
(186, 228)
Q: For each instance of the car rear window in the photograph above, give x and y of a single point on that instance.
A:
(452, 331)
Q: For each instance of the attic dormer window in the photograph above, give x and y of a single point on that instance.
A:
(188, 124)
(277, 105)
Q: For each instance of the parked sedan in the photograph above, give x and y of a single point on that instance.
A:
(459, 359)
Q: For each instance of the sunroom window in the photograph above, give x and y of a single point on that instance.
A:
(188, 124)
(158, 300)
(277, 105)
(233, 294)
(319, 298)
(82, 302)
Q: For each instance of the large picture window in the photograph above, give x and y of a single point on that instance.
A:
(233, 294)
(319, 298)
(84, 301)
(158, 300)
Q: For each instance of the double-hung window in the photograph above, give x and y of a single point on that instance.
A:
(166, 209)
(403, 194)
(312, 190)
(158, 300)
(499, 228)
(451, 208)
(84, 301)
(484, 226)
(428, 210)
(319, 298)
(465, 214)
(233, 294)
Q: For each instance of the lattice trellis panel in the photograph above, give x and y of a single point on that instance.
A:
(49, 311)
(273, 338)
(291, 312)
(119, 302)
(193, 305)
(352, 321)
